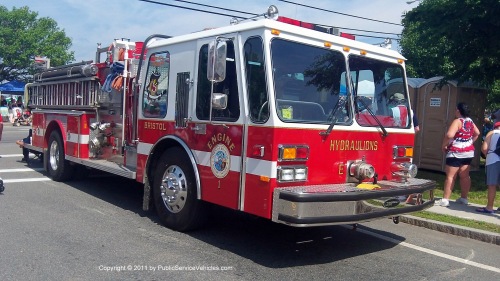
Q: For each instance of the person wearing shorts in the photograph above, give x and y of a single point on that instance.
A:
(492, 166)
(458, 144)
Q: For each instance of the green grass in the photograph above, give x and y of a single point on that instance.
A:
(478, 193)
(486, 226)
(459, 221)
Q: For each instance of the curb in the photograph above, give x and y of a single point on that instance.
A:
(463, 231)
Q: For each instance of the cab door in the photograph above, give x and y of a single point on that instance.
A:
(218, 134)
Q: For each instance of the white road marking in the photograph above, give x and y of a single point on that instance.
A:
(428, 251)
(20, 170)
(27, 180)
(14, 155)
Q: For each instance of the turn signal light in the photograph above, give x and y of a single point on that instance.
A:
(402, 152)
(293, 152)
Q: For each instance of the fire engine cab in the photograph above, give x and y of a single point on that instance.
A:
(270, 116)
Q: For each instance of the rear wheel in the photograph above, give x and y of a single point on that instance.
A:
(59, 168)
(174, 190)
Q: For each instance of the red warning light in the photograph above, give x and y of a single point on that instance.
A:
(347, 35)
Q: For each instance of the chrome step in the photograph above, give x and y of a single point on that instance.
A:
(106, 166)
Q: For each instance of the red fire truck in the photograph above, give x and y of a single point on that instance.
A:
(271, 116)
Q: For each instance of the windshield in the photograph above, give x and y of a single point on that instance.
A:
(308, 83)
(379, 87)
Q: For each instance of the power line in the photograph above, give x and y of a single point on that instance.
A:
(228, 15)
(344, 14)
(230, 10)
(361, 35)
(220, 8)
(192, 9)
(356, 29)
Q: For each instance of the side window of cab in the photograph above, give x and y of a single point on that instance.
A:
(229, 87)
(155, 93)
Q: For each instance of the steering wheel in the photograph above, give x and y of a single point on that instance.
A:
(260, 111)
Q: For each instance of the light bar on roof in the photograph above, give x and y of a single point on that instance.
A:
(348, 36)
(307, 25)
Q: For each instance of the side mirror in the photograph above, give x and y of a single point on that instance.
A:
(219, 101)
(216, 66)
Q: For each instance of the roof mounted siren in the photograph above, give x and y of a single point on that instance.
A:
(271, 13)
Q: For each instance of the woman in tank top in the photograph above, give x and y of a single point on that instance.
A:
(458, 144)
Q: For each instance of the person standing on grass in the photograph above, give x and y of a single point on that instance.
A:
(458, 145)
(492, 166)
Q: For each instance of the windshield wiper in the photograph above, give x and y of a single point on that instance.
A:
(385, 134)
(334, 120)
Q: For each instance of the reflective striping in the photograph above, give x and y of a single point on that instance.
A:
(256, 167)
(84, 139)
(144, 148)
(26, 180)
(203, 157)
(20, 170)
(261, 167)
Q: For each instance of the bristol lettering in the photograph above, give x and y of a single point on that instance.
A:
(155, 126)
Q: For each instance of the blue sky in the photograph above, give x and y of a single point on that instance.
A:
(88, 22)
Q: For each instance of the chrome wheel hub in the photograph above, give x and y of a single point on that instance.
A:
(174, 189)
(54, 156)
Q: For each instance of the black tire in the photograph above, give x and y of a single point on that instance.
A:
(174, 190)
(59, 168)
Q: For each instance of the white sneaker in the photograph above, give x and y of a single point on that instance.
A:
(461, 200)
(442, 202)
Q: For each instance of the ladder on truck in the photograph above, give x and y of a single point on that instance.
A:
(75, 85)
(75, 93)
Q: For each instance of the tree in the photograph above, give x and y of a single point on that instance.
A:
(23, 36)
(457, 39)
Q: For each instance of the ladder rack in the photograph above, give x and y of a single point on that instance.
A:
(68, 93)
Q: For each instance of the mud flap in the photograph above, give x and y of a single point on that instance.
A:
(46, 160)
(146, 199)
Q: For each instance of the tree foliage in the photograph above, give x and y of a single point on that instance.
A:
(23, 36)
(457, 39)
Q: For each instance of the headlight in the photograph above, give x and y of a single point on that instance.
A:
(291, 173)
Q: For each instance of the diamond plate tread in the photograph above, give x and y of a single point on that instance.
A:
(351, 187)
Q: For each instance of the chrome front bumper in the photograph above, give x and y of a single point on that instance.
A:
(346, 204)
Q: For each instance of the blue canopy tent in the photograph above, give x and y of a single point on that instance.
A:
(13, 87)
(10, 91)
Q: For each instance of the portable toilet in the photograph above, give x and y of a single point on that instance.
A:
(435, 110)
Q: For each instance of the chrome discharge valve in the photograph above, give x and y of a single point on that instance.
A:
(404, 170)
(361, 170)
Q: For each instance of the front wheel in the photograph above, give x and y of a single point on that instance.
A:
(59, 168)
(174, 189)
